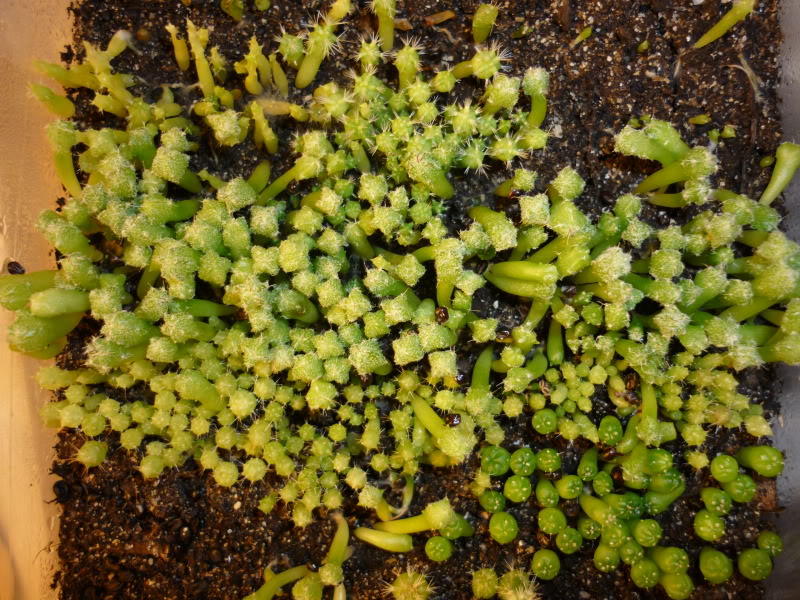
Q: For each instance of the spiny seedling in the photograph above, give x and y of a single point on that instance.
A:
(410, 585)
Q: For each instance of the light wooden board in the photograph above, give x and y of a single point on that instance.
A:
(28, 525)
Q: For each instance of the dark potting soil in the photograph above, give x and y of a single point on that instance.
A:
(184, 537)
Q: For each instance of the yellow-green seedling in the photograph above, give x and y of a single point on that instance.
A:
(677, 586)
(219, 65)
(484, 583)
(483, 22)
(179, 47)
(279, 78)
(517, 584)
(410, 585)
(754, 564)
(485, 64)
(697, 163)
(715, 566)
(407, 63)
(92, 453)
(524, 278)
(737, 13)
(234, 8)
(275, 582)
(77, 76)
(435, 517)
(320, 42)
(59, 105)
(787, 161)
(535, 83)
(16, 290)
(584, 34)
(502, 93)
(198, 39)
(657, 140)
(545, 564)
(764, 460)
(256, 68)
(291, 48)
(62, 137)
(385, 10)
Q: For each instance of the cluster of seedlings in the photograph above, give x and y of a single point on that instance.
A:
(250, 307)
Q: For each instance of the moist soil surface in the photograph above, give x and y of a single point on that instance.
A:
(184, 537)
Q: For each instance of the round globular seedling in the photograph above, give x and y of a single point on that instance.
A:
(755, 564)
(495, 460)
(545, 564)
(503, 527)
(438, 549)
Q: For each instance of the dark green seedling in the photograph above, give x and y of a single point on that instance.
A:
(551, 520)
(598, 510)
(548, 460)
(589, 528)
(631, 552)
(569, 486)
(615, 534)
(517, 488)
(569, 540)
(724, 468)
(545, 564)
(708, 526)
(742, 489)
(715, 566)
(764, 460)
(523, 462)
(717, 501)
(587, 467)
(645, 573)
(438, 549)
(678, 586)
(544, 421)
(626, 506)
(647, 532)
(602, 484)
(546, 494)
(495, 460)
(610, 430)
(457, 528)
(755, 564)
(503, 528)
(606, 558)
(658, 461)
(670, 559)
(657, 499)
(492, 502)
(770, 542)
